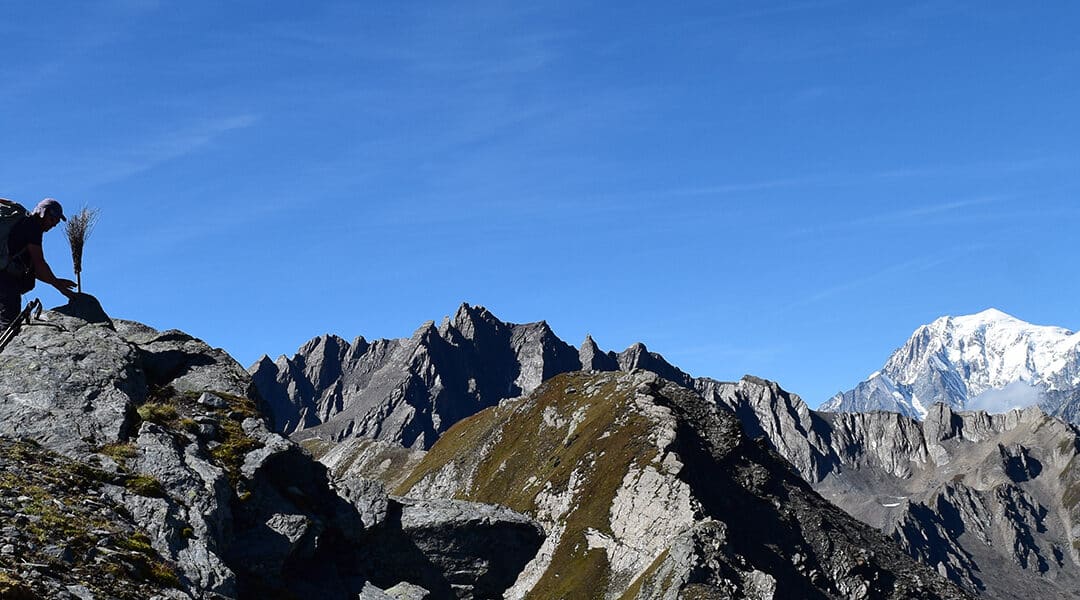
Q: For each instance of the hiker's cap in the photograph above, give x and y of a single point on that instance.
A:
(50, 207)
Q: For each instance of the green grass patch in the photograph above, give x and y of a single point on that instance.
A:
(137, 542)
(235, 444)
(610, 439)
(175, 410)
(159, 412)
(316, 448)
(648, 576)
(65, 506)
(145, 485)
(119, 451)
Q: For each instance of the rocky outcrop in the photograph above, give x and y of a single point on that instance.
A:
(410, 391)
(153, 474)
(592, 358)
(988, 500)
(452, 548)
(648, 490)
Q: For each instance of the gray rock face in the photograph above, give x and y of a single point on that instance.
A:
(988, 500)
(478, 550)
(592, 358)
(232, 509)
(648, 490)
(69, 384)
(184, 362)
(410, 391)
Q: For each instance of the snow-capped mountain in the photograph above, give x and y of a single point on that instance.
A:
(988, 361)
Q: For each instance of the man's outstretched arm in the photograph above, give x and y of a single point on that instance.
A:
(44, 272)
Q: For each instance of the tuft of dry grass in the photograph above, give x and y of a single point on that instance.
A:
(79, 227)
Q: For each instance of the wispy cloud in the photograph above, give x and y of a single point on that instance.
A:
(918, 215)
(1016, 395)
(887, 274)
(94, 163)
(131, 160)
(739, 187)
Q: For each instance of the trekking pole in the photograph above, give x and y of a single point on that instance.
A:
(32, 311)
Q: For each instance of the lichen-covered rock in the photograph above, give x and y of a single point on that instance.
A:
(69, 384)
(63, 535)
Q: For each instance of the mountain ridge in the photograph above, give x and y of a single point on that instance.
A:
(410, 390)
(987, 360)
(988, 500)
(886, 469)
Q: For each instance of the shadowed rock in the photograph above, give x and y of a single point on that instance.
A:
(85, 307)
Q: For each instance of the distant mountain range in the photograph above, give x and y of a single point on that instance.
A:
(988, 501)
(409, 391)
(986, 361)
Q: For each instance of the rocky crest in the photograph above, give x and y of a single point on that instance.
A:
(648, 490)
(986, 361)
(988, 500)
(147, 470)
(410, 391)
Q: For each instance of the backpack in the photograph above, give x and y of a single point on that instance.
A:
(11, 213)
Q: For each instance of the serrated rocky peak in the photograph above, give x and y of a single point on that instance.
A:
(988, 500)
(410, 391)
(638, 356)
(648, 490)
(989, 360)
(592, 358)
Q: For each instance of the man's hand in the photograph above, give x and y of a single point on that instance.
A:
(64, 286)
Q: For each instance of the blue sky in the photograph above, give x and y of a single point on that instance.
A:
(782, 189)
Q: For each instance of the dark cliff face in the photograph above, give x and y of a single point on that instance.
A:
(990, 501)
(410, 391)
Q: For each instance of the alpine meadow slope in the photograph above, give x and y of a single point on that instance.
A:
(647, 490)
